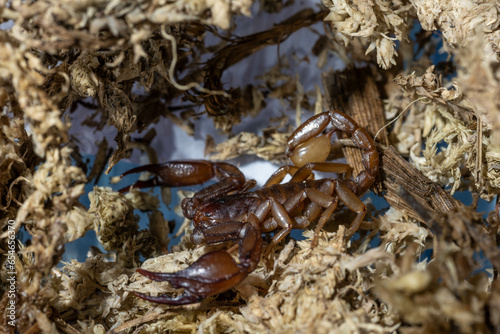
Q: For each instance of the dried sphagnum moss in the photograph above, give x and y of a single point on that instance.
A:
(448, 122)
(58, 53)
(380, 23)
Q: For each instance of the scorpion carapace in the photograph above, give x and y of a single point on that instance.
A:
(228, 211)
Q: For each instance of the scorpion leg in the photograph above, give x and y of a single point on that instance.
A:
(302, 173)
(214, 272)
(307, 145)
(321, 198)
(281, 216)
(349, 198)
(313, 209)
(330, 167)
(280, 174)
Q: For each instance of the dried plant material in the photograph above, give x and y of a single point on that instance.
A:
(116, 217)
(323, 279)
(450, 118)
(117, 226)
(15, 175)
(132, 63)
(382, 23)
(182, 10)
(113, 38)
(448, 294)
(476, 77)
(398, 173)
(309, 297)
(407, 131)
(118, 23)
(78, 222)
(242, 48)
(99, 163)
(398, 228)
(376, 21)
(118, 105)
(270, 146)
(460, 21)
(159, 228)
(250, 102)
(99, 293)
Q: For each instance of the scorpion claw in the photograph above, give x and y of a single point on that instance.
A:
(141, 184)
(157, 180)
(183, 299)
(212, 273)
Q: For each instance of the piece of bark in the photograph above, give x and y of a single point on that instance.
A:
(354, 92)
(399, 179)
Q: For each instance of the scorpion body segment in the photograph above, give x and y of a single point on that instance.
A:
(228, 211)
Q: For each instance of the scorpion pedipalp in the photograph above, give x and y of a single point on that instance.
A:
(183, 173)
(213, 272)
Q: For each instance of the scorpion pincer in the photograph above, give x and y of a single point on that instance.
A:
(228, 211)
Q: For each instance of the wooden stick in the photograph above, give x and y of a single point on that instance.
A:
(397, 174)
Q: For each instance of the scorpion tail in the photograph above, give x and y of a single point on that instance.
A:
(364, 141)
(306, 145)
(212, 273)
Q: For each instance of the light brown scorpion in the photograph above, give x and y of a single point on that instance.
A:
(228, 211)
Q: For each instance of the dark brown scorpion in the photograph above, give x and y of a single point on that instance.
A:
(228, 211)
